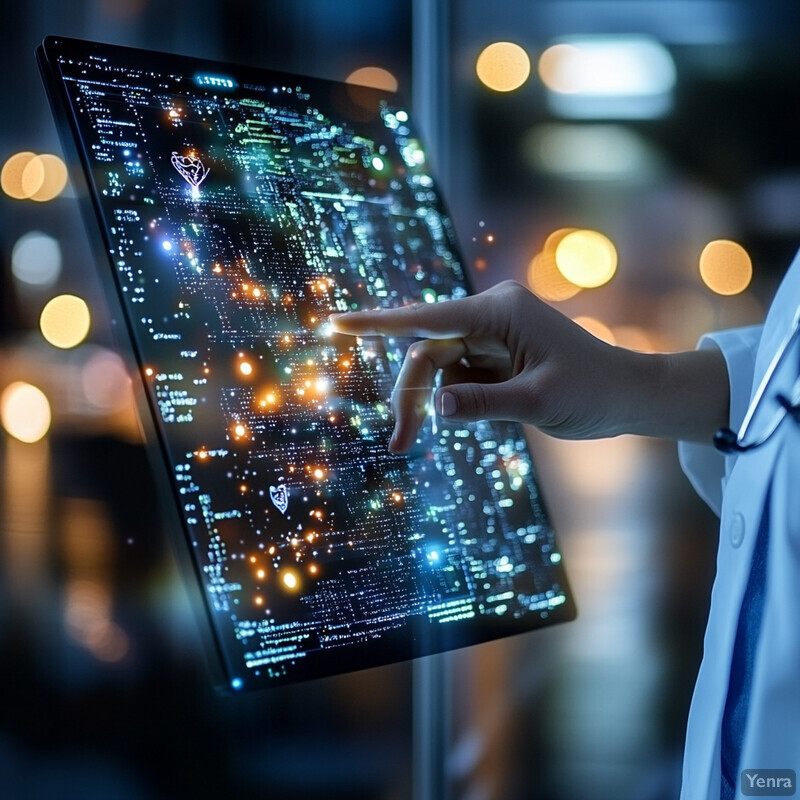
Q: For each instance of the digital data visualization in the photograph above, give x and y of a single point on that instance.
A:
(241, 208)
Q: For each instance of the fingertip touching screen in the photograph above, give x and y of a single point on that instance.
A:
(239, 209)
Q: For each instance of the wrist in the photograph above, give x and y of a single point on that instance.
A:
(672, 395)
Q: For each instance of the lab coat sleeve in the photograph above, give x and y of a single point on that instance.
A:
(707, 469)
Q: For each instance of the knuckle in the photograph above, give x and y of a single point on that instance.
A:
(477, 399)
(417, 350)
(421, 353)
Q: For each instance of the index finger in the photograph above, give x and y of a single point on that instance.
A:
(451, 319)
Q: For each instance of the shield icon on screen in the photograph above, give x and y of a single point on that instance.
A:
(280, 497)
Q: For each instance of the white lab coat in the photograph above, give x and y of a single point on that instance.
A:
(736, 487)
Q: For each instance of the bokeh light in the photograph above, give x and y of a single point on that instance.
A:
(544, 277)
(27, 176)
(36, 259)
(597, 328)
(725, 267)
(289, 579)
(684, 315)
(65, 321)
(601, 152)
(554, 68)
(376, 77)
(503, 66)
(87, 618)
(633, 337)
(25, 412)
(105, 381)
(608, 65)
(45, 176)
(11, 175)
(586, 258)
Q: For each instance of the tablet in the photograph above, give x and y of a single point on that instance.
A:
(238, 208)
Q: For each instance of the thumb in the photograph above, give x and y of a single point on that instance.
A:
(469, 402)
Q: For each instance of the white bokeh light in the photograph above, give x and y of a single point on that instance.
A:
(36, 259)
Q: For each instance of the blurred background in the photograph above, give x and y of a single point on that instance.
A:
(636, 163)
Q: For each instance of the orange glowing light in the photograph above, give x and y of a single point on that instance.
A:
(65, 321)
(259, 601)
(243, 488)
(11, 175)
(597, 328)
(376, 77)
(246, 368)
(261, 574)
(544, 277)
(25, 412)
(586, 258)
(632, 337)
(725, 267)
(27, 176)
(313, 569)
(256, 292)
(319, 473)
(252, 559)
(240, 430)
(148, 371)
(503, 66)
(44, 177)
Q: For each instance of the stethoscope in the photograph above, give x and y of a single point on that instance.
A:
(728, 441)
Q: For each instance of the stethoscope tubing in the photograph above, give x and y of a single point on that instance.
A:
(726, 440)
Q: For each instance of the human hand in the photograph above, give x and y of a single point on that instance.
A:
(503, 354)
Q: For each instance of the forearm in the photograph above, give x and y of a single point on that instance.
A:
(673, 395)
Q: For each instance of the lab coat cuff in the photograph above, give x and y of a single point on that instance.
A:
(706, 468)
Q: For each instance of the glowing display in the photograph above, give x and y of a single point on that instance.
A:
(236, 224)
